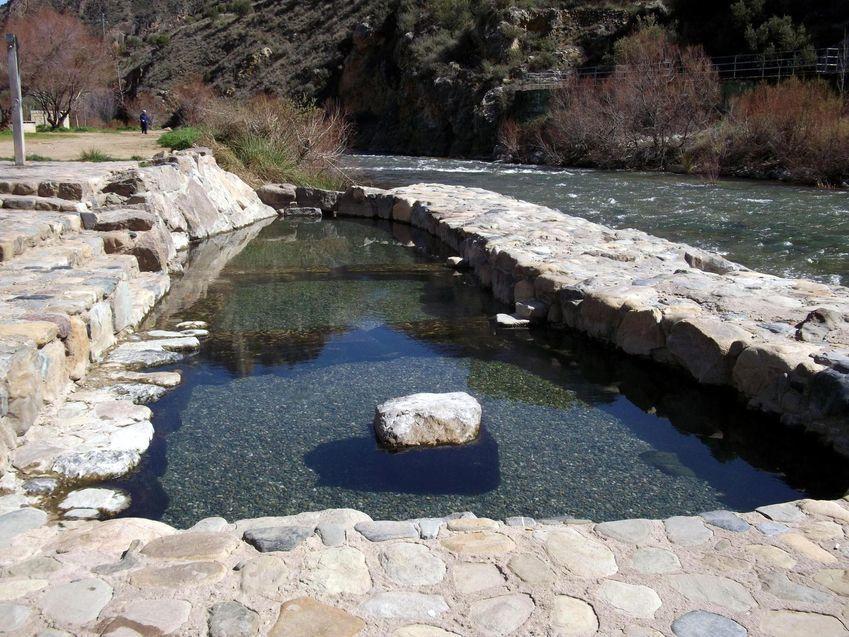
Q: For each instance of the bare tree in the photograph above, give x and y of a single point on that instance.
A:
(659, 96)
(61, 61)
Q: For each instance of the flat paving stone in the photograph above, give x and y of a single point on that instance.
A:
(771, 529)
(726, 520)
(38, 567)
(626, 531)
(20, 521)
(801, 544)
(108, 500)
(531, 570)
(13, 617)
(713, 589)
(429, 527)
(307, 617)
(781, 586)
(573, 617)
(478, 543)
(822, 530)
(337, 570)
(382, 531)
(700, 623)
(263, 575)
(191, 546)
(210, 525)
(473, 577)
(581, 555)
(834, 579)
(771, 555)
(76, 603)
(655, 561)
(469, 525)
(165, 616)
(521, 522)
(785, 512)
(277, 538)
(179, 575)
(232, 619)
(827, 508)
(633, 600)
(331, 534)
(687, 530)
(411, 564)
(790, 623)
(13, 589)
(502, 615)
(404, 605)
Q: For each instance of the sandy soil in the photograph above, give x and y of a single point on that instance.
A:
(68, 146)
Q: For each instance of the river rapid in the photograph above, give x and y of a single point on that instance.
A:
(783, 230)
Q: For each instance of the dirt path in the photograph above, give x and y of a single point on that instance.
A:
(68, 146)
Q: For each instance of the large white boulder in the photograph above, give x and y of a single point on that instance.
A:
(427, 420)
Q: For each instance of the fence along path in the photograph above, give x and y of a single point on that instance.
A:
(829, 62)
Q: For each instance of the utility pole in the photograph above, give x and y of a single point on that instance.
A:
(17, 100)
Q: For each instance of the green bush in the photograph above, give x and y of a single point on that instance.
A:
(180, 138)
(159, 39)
(93, 154)
(240, 7)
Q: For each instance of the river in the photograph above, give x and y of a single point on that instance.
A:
(783, 230)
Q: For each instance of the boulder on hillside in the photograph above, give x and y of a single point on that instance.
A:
(427, 420)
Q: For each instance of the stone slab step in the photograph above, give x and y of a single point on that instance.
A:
(34, 202)
(70, 190)
(19, 234)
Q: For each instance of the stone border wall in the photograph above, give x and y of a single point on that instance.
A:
(782, 344)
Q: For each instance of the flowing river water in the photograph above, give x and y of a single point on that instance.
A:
(783, 230)
(314, 323)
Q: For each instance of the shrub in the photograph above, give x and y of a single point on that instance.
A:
(211, 11)
(797, 127)
(240, 7)
(658, 97)
(94, 154)
(179, 138)
(269, 139)
(159, 39)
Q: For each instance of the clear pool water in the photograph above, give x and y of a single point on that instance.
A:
(314, 323)
(770, 227)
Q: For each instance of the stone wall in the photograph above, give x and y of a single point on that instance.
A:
(782, 344)
(85, 253)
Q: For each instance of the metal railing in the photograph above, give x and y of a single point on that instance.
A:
(833, 62)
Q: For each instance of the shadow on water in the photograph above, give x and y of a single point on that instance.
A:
(467, 470)
(314, 324)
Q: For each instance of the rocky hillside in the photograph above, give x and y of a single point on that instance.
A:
(417, 76)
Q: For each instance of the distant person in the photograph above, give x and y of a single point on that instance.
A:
(144, 120)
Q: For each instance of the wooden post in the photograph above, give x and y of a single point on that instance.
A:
(17, 100)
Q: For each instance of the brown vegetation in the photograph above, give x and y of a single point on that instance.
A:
(661, 110)
(61, 61)
(265, 139)
(658, 97)
(796, 130)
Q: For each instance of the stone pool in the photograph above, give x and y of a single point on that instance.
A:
(314, 323)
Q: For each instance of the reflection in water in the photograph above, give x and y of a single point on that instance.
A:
(313, 324)
(770, 227)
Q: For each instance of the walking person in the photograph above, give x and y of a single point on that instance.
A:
(144, 121)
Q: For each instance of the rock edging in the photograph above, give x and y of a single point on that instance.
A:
(782, 344)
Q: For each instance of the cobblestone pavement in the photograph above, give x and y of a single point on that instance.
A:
(780, 571)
